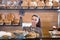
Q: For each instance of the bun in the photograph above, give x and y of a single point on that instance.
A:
(25, 3)
(32, 35)
(41, 4)
(16, 21)
(5, 37)
(55, 4)
(10, 17)
(32, 4)
(19, 31)
(1, 19)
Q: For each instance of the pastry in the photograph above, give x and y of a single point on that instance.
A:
(10, 17)
(24, 4)
(32, 35)
(1, 16)
(1, 19)
(33, 0)
(7, 22)
(16, 21)
(1, 22)
(41, 4)
(19, 31)
(25, 0)
(33, 4)
(5, 37)
(49, 4)
(37, 0)
(55, 0)
(55, 4)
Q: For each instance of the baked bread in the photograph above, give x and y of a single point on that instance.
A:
(32, 35)
(1, 16)
(7, 22)
(24, 4)
(41, 4)
(55, 0)
(1, 22)
(49, 4)
(33, 0)
(55, 4)
(10, 17)
(36, 0)
(19, 31)
(5, 37)
(16, 21)
(32, 4)
(1, 19)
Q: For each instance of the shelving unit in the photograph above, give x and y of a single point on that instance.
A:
(22, 10)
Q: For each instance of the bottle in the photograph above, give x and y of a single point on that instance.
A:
(21, 21)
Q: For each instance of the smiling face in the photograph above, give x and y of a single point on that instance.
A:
(34, 20)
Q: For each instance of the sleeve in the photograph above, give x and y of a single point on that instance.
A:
(39, 30)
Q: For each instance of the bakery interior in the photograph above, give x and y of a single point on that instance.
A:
(16, 14)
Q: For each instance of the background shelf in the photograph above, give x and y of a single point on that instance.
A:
(22, 8)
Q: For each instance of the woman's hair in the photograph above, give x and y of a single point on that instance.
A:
(38, 24)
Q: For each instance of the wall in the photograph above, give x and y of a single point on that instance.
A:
(48, 18)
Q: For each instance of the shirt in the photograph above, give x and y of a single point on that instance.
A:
(35, 29)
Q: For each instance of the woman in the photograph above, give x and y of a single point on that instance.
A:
(36, 25)
(36, 21)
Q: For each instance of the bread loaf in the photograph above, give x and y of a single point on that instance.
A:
(41, 4)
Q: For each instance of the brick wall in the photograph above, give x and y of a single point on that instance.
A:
(48, 18)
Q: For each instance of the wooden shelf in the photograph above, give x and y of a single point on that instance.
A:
(28, 8)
